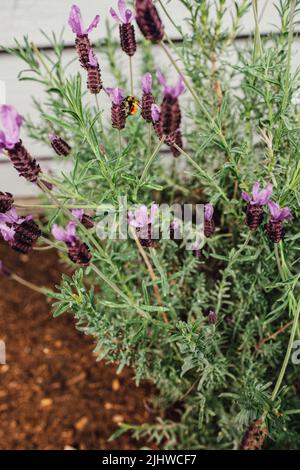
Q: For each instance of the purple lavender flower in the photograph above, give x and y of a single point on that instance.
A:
(156, 120)
(76, 22)
(147, 98)
(20, 232)
(171, 91)
(118, 111)
(258, 197)
(279, 214)
(142, 222)
(94, 81)
(126, 29)
(67, 235)
(212, 317)
(255, 200)
(85, 219)
(209, 224)
(274, 227)
(148, 20)
(82, 42)
(77, 250)
(12, 122)
(59, 145)
(170, 108)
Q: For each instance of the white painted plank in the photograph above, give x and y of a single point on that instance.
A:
(19, 18)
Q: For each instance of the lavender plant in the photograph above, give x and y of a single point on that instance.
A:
(213, 327)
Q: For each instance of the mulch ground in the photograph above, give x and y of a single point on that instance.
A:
(53, 394)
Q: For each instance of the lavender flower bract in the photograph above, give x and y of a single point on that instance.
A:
(118, 111)
(78, 251)
(59, 145)
(142, 222)
(147, 98)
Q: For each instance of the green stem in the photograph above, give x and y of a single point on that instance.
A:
(131, 75)
(118, 291)
(149, 161)
(287, 354)
(202, 172)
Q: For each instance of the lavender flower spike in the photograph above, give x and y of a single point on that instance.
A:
(76, 22)
(209, 224)
(77, 250)
(147, 98)
(12, 123)
(170, 109)
(274, 227)
(118, 111)
(85, 219)
(126, 29)
(257, 199)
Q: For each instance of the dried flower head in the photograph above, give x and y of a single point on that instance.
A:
(148, 20)
(127, 34)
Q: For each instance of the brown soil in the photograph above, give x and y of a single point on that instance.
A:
(53, 394)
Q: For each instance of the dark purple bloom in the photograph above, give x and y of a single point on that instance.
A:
(212, 317)
(85, 219)
(209, 224)
(274, 227)
(147, 98)
(76, 22)
(257, 199)
(170, 108)
(20, 232)
(12, 122)
(156, 120)
(59, 145)
(6, 202)
(148, 20)
(118, 111)
(127, 34)
(77, 250)
(94, 82)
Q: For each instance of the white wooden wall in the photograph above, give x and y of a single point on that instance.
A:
(21, 17)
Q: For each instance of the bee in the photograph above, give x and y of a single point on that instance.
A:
(132, 104)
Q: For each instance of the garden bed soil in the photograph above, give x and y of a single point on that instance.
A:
(53, 393)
